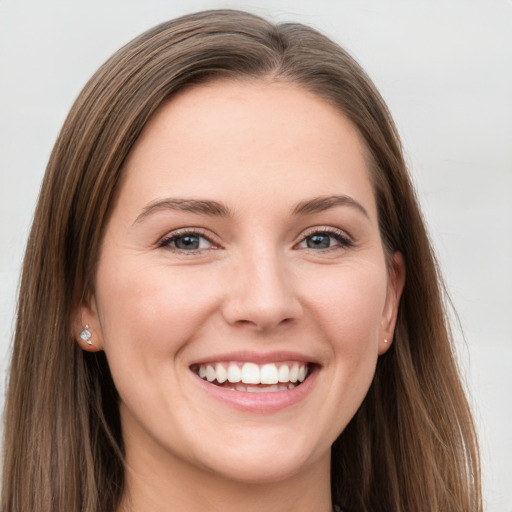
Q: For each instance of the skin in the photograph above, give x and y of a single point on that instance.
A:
(253, 286)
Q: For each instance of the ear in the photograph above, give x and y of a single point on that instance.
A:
(86, 326)
(396, 281)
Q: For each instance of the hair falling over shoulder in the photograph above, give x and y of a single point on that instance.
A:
(411, 447)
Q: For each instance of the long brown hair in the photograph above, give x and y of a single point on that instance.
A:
(411, 446)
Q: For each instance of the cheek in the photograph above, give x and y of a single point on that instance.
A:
(346, 305)
(148, 315)
(150, 311)
(349, 303)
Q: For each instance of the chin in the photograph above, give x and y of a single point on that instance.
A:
(263, 462)
(271, 468)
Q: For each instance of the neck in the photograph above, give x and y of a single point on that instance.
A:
(181, 486)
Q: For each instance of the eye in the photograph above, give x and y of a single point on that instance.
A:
(325, 239)
(187, 241)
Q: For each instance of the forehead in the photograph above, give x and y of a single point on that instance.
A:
(239, 139)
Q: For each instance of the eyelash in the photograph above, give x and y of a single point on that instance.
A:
(340, 236)
(343, 240)
(192, 232)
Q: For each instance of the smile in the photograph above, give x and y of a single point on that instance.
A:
(252, 377)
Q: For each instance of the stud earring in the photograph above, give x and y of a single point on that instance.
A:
(86, 335)
(386, 340)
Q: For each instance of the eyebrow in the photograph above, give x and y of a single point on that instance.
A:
(214, 208)
(322, 203)
(200, 206)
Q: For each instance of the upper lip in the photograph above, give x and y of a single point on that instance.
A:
(257, 357)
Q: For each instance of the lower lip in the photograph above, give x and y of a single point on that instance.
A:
(259, 402)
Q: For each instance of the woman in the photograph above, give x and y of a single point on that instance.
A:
(229, 301)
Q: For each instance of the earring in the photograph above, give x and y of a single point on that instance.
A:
(86, 335)
(385, 340)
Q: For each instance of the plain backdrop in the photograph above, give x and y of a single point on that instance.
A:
(445, 70)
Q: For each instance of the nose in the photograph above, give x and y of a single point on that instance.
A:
(261, 293)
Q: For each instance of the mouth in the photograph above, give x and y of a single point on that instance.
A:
(250, 377)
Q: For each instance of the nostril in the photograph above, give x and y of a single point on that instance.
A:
(263, 324)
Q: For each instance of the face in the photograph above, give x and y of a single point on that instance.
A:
(242, 296)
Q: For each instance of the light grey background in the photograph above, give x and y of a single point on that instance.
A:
(445, 69)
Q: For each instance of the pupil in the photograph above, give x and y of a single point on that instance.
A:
(187, 242)
(318, 242)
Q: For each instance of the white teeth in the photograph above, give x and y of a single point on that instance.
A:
(222, 374)
(234, 373)
(210, 374)
(269, 374)
(284, 373)
(257, 389)
(250, 373)
(294, 373)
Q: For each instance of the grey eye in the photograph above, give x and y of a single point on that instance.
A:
(321, 240)
(187, 242)
(318, 241)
